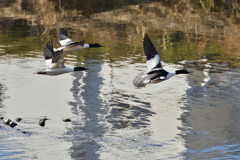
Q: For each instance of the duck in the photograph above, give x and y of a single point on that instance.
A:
(155, 73)
(70, 46)
(55, 62)
(42, 122)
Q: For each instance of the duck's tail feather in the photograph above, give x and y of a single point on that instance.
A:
(141, 80)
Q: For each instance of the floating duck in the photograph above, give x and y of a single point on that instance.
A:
(42, 122)
(155, 73)
(69, 46)
(66, 120)
(7, 121)
(10, 123)
(55, 62)
(18, 119)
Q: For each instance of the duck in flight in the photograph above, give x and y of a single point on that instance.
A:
(55, 62)
(69, 46)
(155, 73)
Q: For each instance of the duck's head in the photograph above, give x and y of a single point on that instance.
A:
(182, 71)
(42, 72)
(95, 45)
(80, 69)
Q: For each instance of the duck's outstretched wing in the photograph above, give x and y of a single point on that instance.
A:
(80, 43)
(152, 56)
(63, 37)
(53, 59)
(141, 80)
(48, 53)
(58, 59)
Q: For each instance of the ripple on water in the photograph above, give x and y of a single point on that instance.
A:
(213, 117)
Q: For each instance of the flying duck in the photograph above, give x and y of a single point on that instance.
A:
(155, 73)
(55, 62)
(69, 46)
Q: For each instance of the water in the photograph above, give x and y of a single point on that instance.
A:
(191, 116)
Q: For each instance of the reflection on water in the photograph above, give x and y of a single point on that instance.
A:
(1, 94)
(214, 114)
(186, 117)
(186, 30)
(124, 114)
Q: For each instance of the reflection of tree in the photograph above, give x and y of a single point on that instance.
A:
(85, 129)
(214, 89)
(129, 111)
(100, 110)
(7, 3)
(95, 6)
(1, 95)
(1, 99)
(88, 8)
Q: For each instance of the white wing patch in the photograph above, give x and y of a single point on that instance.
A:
(153, 62)
(48, 62)
(53, 65)
(65, 42)
(58, 49)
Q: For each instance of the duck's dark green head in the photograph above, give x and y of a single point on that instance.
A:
(95, 45)
(42, 72)
(182, 71)
(80, 69)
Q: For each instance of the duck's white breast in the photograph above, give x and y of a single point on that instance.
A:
(169, 75)
(58, 71)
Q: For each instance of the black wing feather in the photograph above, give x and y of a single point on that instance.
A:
(58, 58)
(63, 34)
(158, 73)
(149, 50)
(81, 43)
(48, 50)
